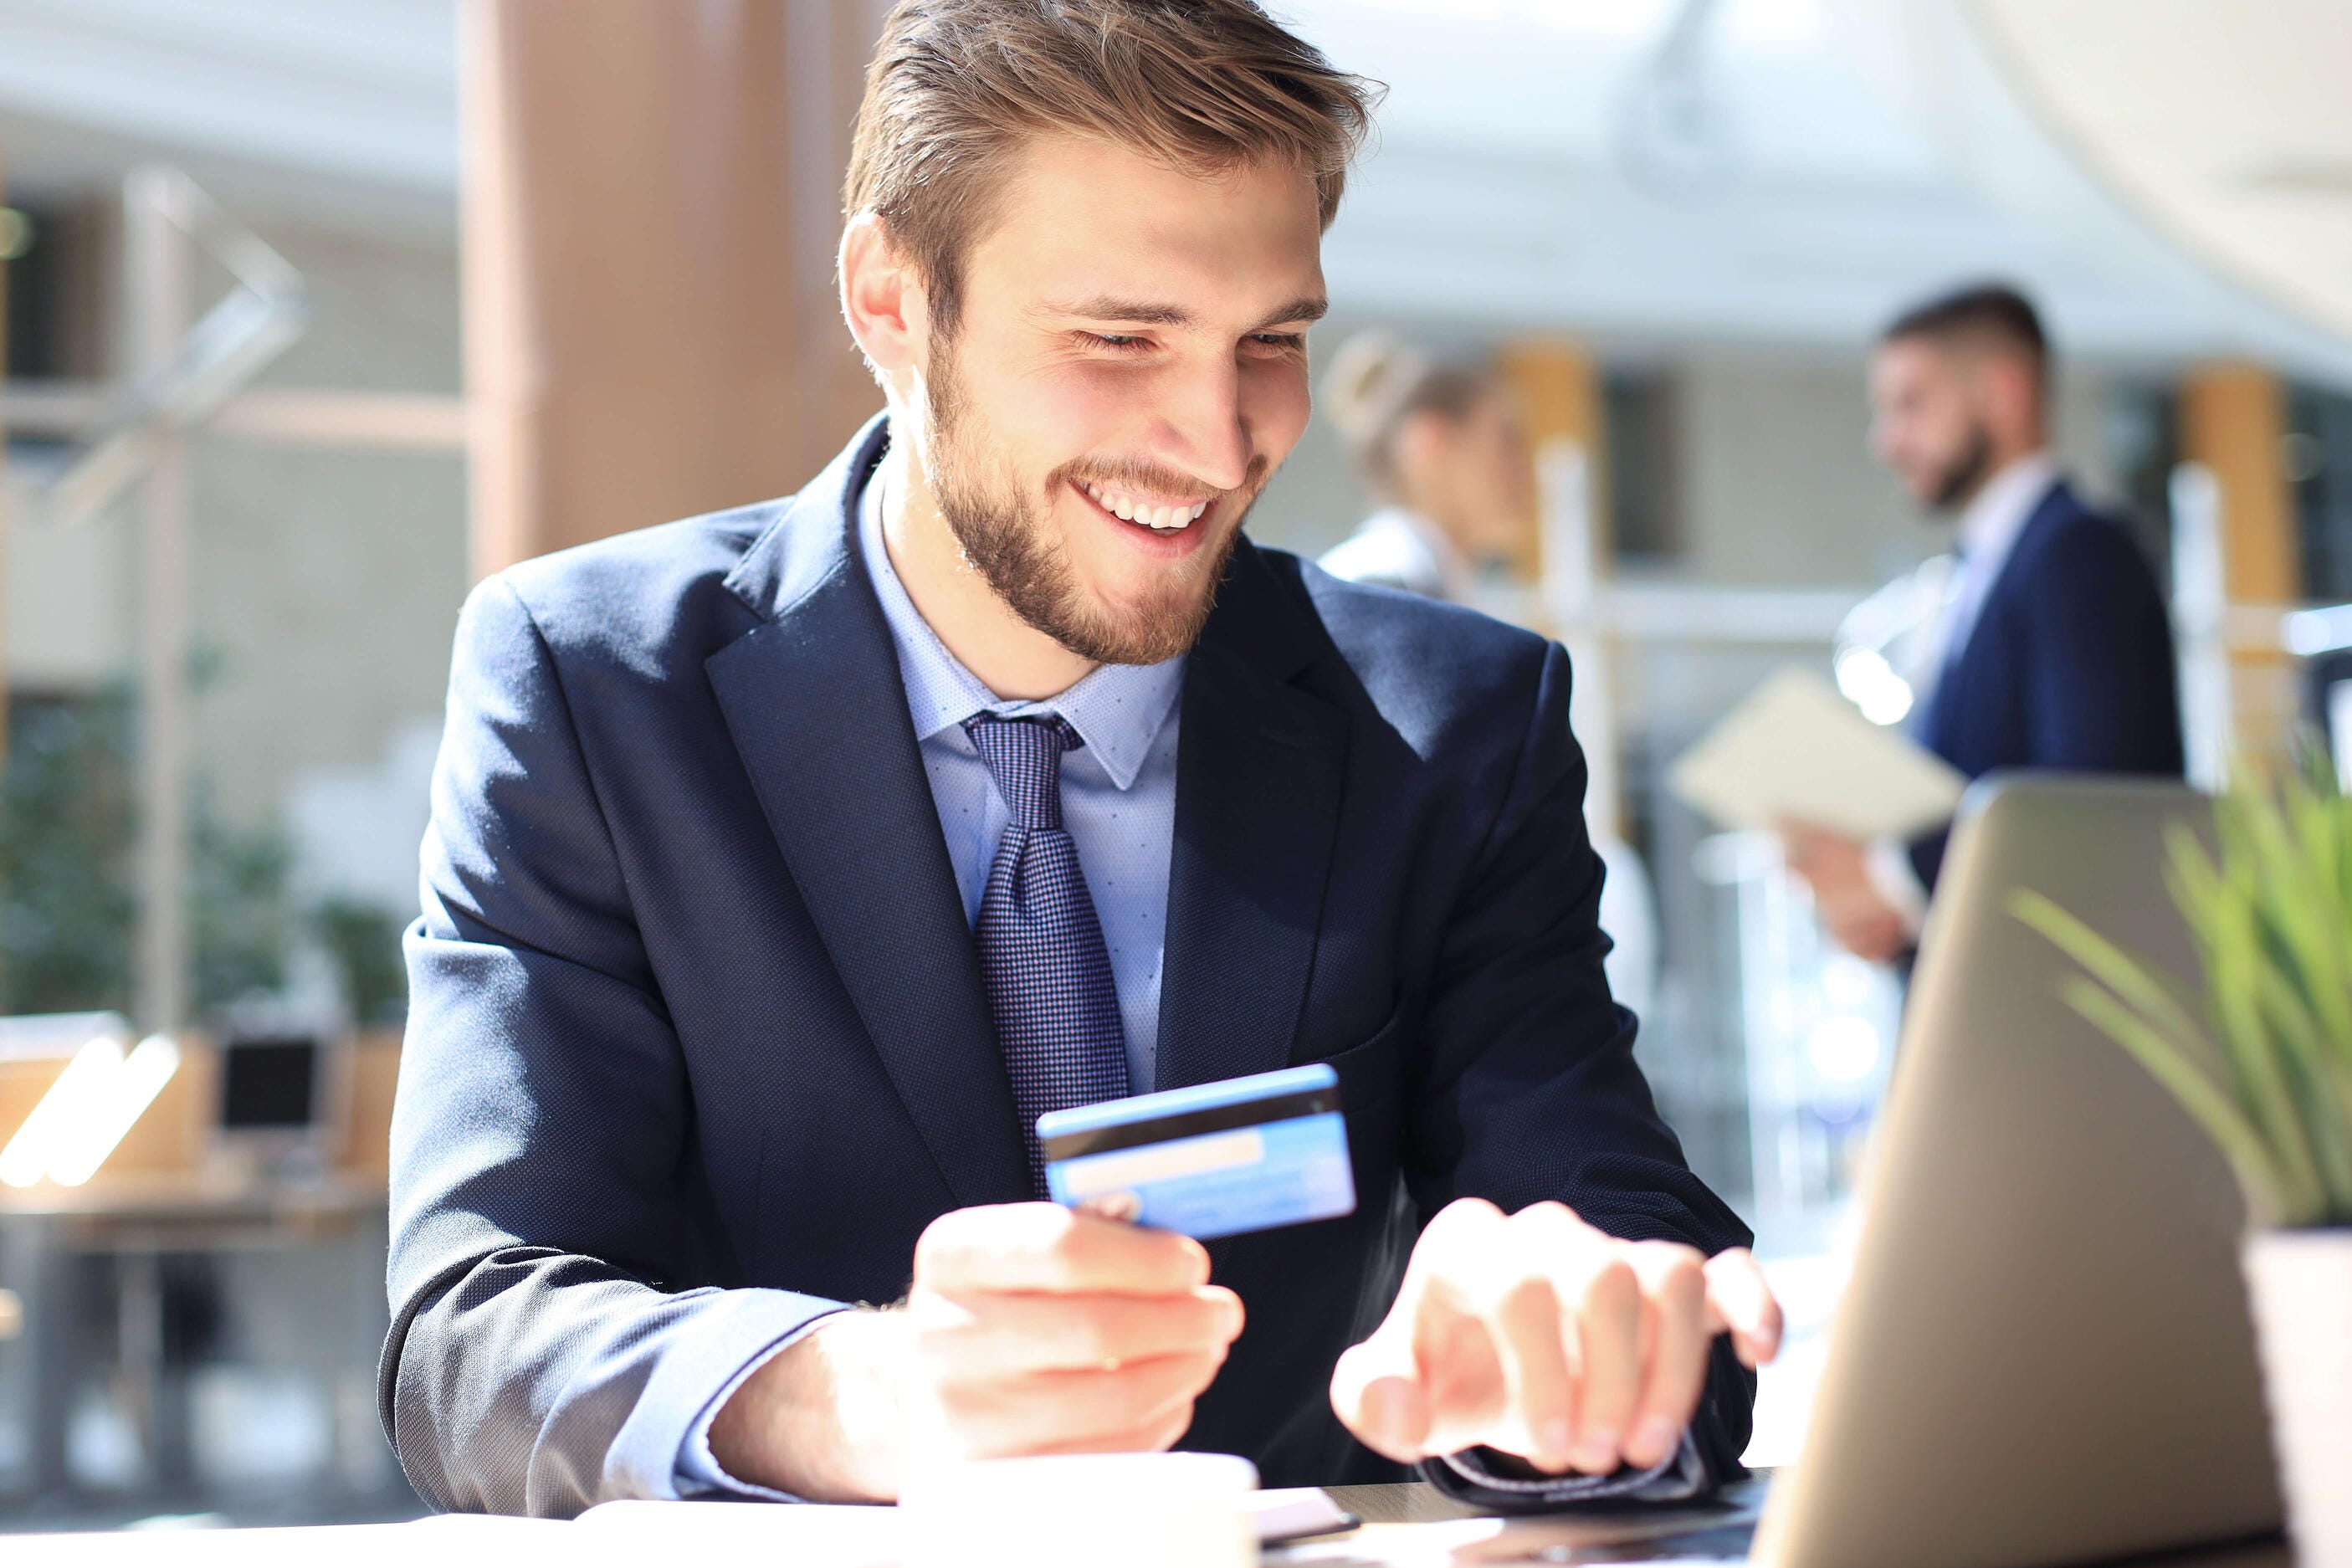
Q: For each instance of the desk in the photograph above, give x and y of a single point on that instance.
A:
(1408, 1526)
(137, 1219)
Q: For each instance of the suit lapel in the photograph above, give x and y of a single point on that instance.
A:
(813, 701)
(1936, 732)
(1259, 772)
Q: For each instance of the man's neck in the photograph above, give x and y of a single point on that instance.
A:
(1011, 657)
(1998, 505)
(1997, 467)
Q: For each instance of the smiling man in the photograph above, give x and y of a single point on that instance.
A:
(786, 864)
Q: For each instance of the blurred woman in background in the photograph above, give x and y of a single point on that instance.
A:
(1442, 447)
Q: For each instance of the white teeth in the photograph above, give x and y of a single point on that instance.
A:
(1159, 518)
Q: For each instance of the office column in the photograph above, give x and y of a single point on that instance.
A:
(651, 211)
(1569, 547)
(1559, 385)
(2233, 424)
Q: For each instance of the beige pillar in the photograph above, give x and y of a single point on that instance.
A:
(1558, 384)
(1567, 551)
(2234, 422)
(651, 209)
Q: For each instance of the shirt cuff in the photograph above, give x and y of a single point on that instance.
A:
(1473, 1475)
(1887, 864)
(698, 1473)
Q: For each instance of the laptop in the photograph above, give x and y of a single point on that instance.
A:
(2043, 1355)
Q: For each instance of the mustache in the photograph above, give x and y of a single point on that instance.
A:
(1152, 479)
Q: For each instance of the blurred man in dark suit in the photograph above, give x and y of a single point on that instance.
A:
(2056, 648)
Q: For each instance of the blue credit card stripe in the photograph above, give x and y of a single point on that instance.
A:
(1185, 1124)
(1196, 1097)
(1125, 1169)
(1280, 1173)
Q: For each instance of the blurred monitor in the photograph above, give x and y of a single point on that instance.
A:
(2328, 698)
(278, 1108)
(269, 1083)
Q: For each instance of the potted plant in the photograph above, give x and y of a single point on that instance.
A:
(2262, 1060)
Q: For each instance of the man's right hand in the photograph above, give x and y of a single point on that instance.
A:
(1028, 1330)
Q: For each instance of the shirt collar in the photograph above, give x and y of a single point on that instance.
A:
(1118, 709)
(1445, 563)
(2001, 509)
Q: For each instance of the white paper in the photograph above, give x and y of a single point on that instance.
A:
(1795, 751)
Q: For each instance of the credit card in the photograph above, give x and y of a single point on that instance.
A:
(1216, 1159)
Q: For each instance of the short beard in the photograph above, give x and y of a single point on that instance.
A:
(1005, 538)
(1967, 473)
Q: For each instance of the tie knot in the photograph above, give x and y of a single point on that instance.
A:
(1024, 757)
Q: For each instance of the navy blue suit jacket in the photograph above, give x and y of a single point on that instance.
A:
(2069, 665)
(698, 1042)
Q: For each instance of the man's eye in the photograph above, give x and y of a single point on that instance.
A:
(1281, 342)
(1117, 343)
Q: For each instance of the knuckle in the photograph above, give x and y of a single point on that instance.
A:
(1682, 1286)
(1467, 1212)
(1612, 1285)
(1528, 1299)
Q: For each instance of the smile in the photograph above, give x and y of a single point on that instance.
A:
(1160, 516)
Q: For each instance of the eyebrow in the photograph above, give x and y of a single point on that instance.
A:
(1147, 312)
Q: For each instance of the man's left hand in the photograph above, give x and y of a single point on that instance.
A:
(1537, 1334)
(1837, 869)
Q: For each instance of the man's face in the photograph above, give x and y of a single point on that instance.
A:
(1928, 422)
(1127, 370)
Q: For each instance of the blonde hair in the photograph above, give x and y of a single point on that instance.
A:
(1377, 382)
(956, 85)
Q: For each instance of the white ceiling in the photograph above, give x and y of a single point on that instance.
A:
(2228, 125)
(1789, 176)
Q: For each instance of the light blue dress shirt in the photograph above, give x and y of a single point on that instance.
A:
(1118, 791)
(1119, 802)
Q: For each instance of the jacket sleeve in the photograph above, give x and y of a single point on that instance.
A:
(540, 1359)
(1532, 1091)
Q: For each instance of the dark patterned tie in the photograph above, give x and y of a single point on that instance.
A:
(1041, 957)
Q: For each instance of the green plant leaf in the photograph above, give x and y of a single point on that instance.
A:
(2276, 1196)
(2127, 977)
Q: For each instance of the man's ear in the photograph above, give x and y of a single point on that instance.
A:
(2016, 393)
(882, 299)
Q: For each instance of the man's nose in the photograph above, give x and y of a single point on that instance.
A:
(1204, 431)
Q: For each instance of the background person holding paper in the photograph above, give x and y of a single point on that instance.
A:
(787, 863)
(2054, 645)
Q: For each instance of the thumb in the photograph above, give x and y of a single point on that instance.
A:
(1377, 1393)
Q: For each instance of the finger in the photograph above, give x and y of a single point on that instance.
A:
(1379, 1397)
(1740, 1302)
(1002, 1335)
(1379, 1390)
(1607, 1307)
(1046, 1247)
(1103, 1406)
(1674, 1278)
(1070, 1410)
(1157, 1437)
(1524, 1321)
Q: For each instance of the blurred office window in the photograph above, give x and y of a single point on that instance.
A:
(1637, 412)
(2317, 458)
